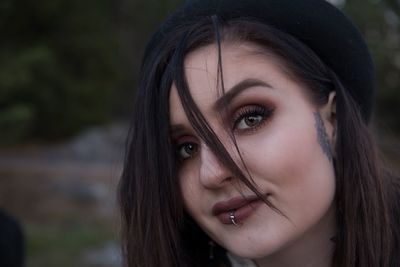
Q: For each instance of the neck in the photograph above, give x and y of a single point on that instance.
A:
(312, 249)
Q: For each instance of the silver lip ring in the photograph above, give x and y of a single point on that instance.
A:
(232, 218)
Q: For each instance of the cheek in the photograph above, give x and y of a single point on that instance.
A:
(287, 160)
(186, 183)
(190, 189)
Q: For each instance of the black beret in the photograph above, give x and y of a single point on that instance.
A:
(316, 23)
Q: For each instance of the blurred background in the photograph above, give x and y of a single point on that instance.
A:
(68, 73)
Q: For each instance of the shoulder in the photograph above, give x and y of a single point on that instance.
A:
(8, 225)
(11, 241)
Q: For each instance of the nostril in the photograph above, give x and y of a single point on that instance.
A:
(229, 179)
(213, 174)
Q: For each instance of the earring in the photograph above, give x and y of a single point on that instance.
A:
(211, 251)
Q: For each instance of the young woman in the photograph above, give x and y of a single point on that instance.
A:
(250, 143)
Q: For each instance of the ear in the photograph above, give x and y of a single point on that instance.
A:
(328, 114)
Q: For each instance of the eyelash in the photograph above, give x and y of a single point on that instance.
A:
(181, 146)
(242, 113)
(248, 111)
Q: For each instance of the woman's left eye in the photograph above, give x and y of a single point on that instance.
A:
(250, 118)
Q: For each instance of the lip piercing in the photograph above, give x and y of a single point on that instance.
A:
(232, 218)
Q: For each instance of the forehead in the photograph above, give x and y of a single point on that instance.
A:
(239, 61)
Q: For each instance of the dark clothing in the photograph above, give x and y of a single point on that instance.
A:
(11, 242)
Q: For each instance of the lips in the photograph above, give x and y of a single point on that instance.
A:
(242, 207)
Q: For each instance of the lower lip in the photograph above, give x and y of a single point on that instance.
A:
(241, 214)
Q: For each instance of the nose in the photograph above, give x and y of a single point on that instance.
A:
(213, 174)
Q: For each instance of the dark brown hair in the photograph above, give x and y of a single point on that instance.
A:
(156, 231)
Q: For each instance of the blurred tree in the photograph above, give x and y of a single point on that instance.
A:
(57, 69)
(379, 20)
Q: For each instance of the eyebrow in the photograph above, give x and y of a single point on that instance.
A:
(177, 129)
(236, 90)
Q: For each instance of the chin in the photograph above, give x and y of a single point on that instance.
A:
(254, 250)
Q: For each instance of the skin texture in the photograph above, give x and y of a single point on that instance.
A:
(283, 144)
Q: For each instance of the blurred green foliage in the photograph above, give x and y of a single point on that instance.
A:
(57, 67)
(379, 20)
(67, 64)
(14, 122)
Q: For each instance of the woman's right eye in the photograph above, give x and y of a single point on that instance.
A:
(187, 150)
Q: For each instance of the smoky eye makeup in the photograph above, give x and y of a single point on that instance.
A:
(185, 147)
(250, 118)
(187, 150)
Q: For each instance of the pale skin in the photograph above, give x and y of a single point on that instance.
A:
(285, 141)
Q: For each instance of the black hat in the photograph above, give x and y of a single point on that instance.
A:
(316, 23)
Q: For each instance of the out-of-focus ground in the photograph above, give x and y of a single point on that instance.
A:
(65, 198)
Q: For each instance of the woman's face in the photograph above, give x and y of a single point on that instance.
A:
(284, 141)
